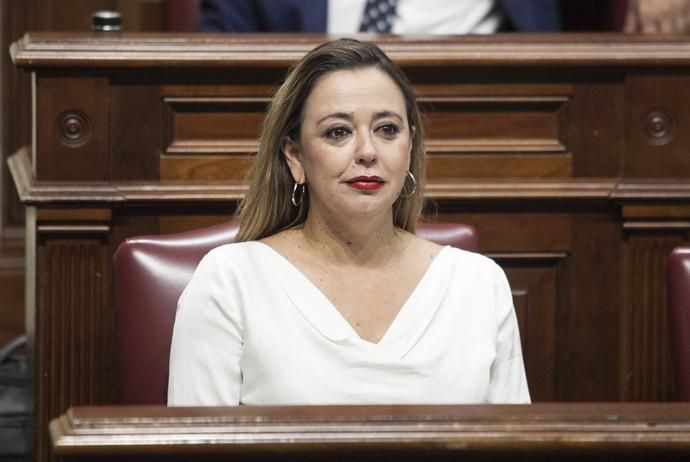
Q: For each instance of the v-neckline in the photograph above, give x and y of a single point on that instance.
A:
(331, 322)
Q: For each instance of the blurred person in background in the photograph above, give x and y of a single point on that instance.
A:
(658, 16)
(380, 16)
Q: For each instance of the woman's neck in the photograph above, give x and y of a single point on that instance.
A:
(370, 243)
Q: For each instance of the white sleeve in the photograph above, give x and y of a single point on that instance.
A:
(207, 339)
(508, 380)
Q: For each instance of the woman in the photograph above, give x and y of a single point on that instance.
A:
(328, 297)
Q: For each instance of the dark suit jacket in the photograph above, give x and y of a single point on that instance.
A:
(311, 15)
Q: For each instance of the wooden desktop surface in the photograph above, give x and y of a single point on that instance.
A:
(552, 431)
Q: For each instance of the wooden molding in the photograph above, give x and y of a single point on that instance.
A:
(528, 189)
(74, 215)
(36, 50)
(72, 229)
(529, 256)
(656, 225)
(539, 427)
(35, 193)
(649, 190)
(32, 193)
(19, 164)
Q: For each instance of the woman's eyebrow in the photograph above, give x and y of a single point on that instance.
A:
(336, 115)
(384, 114)
(349, 117)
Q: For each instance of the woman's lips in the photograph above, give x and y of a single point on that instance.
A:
(366, 183)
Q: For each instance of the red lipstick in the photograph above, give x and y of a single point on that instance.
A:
(366, 183)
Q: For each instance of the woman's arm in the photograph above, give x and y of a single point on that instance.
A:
(508, 380)
(207, 339)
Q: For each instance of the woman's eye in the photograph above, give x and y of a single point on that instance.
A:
(337, 133)
(388, 130)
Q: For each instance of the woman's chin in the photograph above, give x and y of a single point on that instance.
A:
(369, 208)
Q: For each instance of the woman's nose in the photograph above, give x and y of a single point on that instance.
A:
(366, 150)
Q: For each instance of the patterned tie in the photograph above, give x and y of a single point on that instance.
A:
(378, 16)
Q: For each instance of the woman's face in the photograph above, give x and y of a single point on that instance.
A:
(354, 147)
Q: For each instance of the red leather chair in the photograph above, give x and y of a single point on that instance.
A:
(182, 15)
(678, 285)
(150, 273)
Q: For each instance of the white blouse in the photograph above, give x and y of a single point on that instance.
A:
(252, 329)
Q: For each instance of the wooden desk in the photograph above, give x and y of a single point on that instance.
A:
(567, 152)
(558, 432)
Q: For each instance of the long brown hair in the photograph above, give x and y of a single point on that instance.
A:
(267, 207)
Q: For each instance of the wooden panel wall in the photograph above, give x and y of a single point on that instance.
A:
(78, 259)
(17, 17)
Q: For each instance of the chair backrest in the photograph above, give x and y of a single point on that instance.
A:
(678, 285)
(150, 273)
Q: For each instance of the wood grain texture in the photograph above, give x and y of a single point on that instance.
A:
(589, 293)
(134, 132)
(533, 283)
(537, 432)
(73, 323)
(646, 367)
(71, 132)
(279, 50)
(657, 145)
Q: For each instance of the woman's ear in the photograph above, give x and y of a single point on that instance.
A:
(291, 152)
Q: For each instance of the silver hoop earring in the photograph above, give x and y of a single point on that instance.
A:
(414, 186)
(297, 198)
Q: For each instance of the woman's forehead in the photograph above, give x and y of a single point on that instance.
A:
(353, 89)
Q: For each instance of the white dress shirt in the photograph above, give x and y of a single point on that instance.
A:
(421, 16)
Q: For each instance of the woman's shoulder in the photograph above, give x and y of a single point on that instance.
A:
(288, 244)
(472, 264)
(233, 248)
(280, 240)
(235, 251)
(417, 245)
(471, 257)
(234, 261)
(451, 253)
